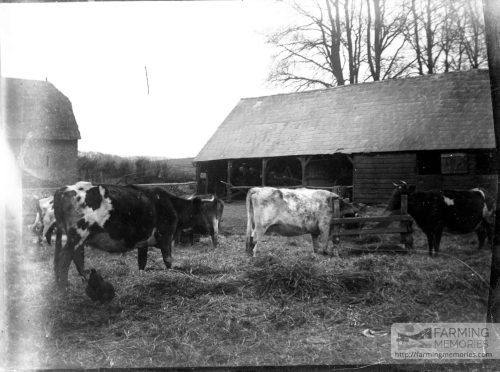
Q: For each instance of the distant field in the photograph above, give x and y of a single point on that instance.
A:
(222, 308)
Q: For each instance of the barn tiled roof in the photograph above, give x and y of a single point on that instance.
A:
(432, 112)
(37, 109)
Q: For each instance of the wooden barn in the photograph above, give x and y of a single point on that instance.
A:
(434, 131)
(41, 130)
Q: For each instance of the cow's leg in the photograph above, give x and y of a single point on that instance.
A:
(257, 235)
(40, 235)
(323, 241)
(249, 243)
(430, 242)
(142, 256)
(79, 260)
(57, 252)
(191, 237)
(437, 241)
(166, 249)
(47, 233)
(315, 242)
(481, 235)
(66, 254)
(214, 232)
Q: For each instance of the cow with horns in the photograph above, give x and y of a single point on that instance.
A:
(457, 211)
(291, 212)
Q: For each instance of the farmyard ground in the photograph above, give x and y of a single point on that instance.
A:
(222, 308)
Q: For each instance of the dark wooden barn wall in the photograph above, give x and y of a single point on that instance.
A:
(489, 182)
(374, 175)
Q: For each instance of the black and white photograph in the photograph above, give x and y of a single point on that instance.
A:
(250, 184)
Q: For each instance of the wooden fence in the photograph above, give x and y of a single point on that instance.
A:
(404, 228)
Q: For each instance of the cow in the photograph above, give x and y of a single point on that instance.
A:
(204, 221)
(457, 211)
(111, 218)
(45, 221)
(291, 212)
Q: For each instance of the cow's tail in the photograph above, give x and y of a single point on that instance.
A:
(220, 211)
(250, 222)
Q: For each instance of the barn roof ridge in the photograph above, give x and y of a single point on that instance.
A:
(431, 112)
(356, 86)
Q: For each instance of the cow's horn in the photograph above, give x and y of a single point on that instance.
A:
(209, 200)
(403, 183)
(395, 184)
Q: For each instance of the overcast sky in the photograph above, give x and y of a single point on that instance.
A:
(201, 58)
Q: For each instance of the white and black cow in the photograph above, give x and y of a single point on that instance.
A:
(291, 212)
(111, 218)
(45, 221)
(457, 211)
(199, 215)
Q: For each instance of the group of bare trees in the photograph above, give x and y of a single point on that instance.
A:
(349, 41)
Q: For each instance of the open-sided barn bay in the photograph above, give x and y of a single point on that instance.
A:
(220, 307)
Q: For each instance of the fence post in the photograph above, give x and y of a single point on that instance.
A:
(406, 237)
(228, 186)
(336, 227)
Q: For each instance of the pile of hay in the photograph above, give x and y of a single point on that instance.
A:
(304, 280)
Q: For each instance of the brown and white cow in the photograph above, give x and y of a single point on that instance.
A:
(45, 221)
(291, 212)
(111, 218)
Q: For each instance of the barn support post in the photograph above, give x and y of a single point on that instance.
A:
(228, 185)
(406, 237)
(206, 184)
(264, 171)
(198, 179)
(304, 161)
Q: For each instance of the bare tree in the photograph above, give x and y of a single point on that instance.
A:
(314, 54)
(385, 40)
(354, 27)
(473, 35)
(446, 35)
(347, 41)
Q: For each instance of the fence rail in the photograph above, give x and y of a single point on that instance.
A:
(404, 229)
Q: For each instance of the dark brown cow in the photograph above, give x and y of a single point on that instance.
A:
(457, 211)
(204, 223)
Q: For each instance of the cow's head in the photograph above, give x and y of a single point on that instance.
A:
(402, 188)
(347, 209)
(200, 218)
